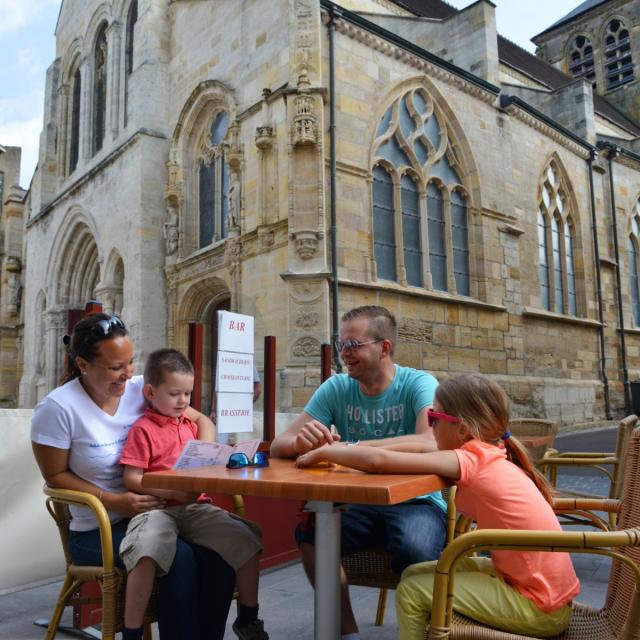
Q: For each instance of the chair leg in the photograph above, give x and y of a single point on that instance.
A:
(109, 596)
(382, 603)
(61, 602)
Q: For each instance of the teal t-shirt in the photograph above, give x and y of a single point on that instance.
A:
(340, 402)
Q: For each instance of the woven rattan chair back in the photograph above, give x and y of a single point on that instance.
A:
(619, 618)
(625, 429)
(536, 434)
(622, 600)
(112, 580)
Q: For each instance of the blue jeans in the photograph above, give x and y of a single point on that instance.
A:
(194, 597)
(411, 532)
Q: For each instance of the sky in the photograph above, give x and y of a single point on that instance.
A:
(27, 48)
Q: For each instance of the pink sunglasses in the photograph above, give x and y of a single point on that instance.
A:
(434, 416)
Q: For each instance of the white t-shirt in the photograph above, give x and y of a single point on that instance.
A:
(68, 418)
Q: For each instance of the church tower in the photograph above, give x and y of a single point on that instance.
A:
(600, 41)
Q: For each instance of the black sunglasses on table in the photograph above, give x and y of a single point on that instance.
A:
(239, 460)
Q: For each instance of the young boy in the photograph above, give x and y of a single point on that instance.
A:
(154, 443)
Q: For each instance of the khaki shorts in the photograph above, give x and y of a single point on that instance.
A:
(153, 534)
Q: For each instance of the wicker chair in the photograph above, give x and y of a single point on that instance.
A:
(535, 434)
(372, 567)
(112, 580)
(554, 460)
(619, 619)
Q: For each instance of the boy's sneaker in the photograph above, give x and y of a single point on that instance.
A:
(250, 630)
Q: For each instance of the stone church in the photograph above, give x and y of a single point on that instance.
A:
(291, 159)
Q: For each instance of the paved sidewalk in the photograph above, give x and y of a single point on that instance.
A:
(287, 599)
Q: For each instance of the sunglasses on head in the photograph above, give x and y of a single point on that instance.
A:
(99, 331)
(239, 460)
(434, 416)
(352, 344)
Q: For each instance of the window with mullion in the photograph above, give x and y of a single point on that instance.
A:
(213, 184)
(437, 240)
(632, 253)
(132, 18)
(570, 268)
(411, 235)
(460, 242)
(618, 60)
(74, 137)
(207, 202)
(543, 262)
(420, 250)
(384, 235)
(558, 286)
(100, 90)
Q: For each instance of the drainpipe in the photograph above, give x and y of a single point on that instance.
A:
(334, 13)
(612, 152)
(596, 252)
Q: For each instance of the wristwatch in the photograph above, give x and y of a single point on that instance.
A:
(352, 443)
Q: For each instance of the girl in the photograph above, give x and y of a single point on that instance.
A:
(527, 592)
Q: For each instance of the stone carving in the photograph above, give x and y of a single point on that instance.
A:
(15, 293)
(307, 291)
(233, 150)
(233, 201)
(307, 318)
(306, 347)
(14, 264)
(170, 231)
(307, 242)
(305, 128)
(233, 251)
(264, 137)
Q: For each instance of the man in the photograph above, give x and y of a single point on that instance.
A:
(381, 404)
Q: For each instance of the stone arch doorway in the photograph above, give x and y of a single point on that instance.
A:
(197, 333)
(210, 350)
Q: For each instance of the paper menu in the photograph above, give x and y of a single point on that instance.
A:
(197, 453)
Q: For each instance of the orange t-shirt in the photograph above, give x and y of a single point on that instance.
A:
(497, 494)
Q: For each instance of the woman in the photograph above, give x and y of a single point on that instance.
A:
(78, 432)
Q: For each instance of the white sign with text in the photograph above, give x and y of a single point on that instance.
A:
(235, 372)
(234, 412)
(235, 332)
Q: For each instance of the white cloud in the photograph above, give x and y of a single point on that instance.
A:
(16, 14)
(25, 134)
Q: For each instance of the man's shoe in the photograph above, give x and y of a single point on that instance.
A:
(250, 630)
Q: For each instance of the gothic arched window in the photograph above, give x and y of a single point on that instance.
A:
(632, 252)
(556, 246)
(581, 62)
(100, 89)
(74, 130)
(420, 225)
(617, 48)
(213, 183)
(132, 17)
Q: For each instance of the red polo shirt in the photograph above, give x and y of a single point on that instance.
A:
(155, 441)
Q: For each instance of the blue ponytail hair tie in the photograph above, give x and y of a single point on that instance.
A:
(506, 435)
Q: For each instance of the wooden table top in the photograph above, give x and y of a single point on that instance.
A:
(282, 479)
